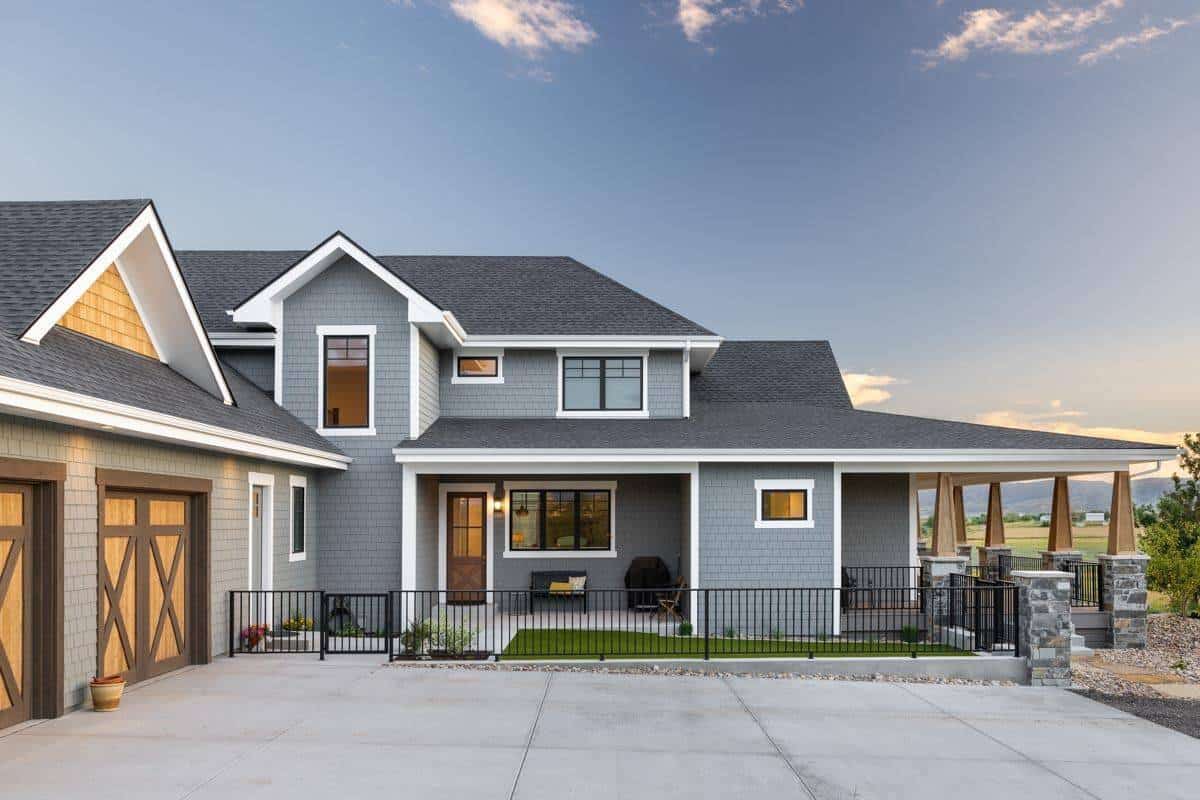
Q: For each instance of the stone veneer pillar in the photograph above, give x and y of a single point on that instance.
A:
(991, 558)
(1044, 634)
(1123, 595)
(935, 574)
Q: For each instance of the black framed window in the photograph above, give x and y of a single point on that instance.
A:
(347, 382)
(602, 383)
(553, 519)
(297, 519)
(478, 366)
(784, 505)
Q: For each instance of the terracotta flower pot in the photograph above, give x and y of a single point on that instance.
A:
(106, 692)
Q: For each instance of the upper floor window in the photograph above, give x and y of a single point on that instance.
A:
(478, 367)
(602, 383)
(347, 380)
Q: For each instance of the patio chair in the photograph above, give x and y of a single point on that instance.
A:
(668, 606)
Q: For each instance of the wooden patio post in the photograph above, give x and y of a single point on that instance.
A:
(1121, 540)
(943, 518)
(1061, 538)
(994, 536)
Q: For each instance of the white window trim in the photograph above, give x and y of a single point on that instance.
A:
(789, 484)
(266, 481)
(644, 413)
(444, 490)
(324, 331)
(477, 353)
(297, 482)
(611, 486)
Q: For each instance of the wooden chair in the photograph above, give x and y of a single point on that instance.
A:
(669, 606)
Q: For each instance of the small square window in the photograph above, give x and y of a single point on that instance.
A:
(784, 504)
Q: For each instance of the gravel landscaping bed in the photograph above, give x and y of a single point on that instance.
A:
(610, 669)
(1178, 715)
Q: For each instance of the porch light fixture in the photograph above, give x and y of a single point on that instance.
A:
(497, 505)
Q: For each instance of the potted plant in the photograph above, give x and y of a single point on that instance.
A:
(252, 636)
(106, 692)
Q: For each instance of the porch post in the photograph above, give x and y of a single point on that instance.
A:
(1060, 551)
(937, 567)
(994, 547)
(943, 518)
(961, 547)
(1120, 518)
(408, 539)
(1123, 572)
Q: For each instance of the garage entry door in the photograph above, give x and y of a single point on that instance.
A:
(16, 607)
(145, 583)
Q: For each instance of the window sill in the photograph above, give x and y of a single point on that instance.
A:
(293, 557)
(334, 432)
(781, 523)
(602, 414)
(555, 554)
(456, 379)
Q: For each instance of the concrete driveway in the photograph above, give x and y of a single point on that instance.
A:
(348, 728)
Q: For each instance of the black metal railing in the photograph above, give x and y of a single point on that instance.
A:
(1087, 583)
(875, 586)
(1008, 563)
(281, 621)
(967, 614)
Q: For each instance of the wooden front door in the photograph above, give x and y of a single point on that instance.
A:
(144, 584)
(466, 547)
(16, 598)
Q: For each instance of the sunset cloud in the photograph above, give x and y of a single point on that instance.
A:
(867, 389)
(1112, 47)
(1051, 30)
(528, 26)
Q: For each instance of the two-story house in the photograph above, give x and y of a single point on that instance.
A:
(177, 424)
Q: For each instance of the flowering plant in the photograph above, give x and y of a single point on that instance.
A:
(252, 635)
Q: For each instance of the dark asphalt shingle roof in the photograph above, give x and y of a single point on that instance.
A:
(768, 371)
(44, 246)
(76, 363)
(489, 295)
(729, 425)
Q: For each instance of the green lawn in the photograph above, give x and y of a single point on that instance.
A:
(576, 644)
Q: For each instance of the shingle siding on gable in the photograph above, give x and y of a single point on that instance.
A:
(362, 551)
(733, 553)
(256, 363)
(430, 396)
(875, 520)
(83, 452)
(530, 387)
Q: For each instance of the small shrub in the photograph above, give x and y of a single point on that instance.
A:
(730, 632)
(909, 634)
(298, 622)
(685, 629)
(453, 639)
(415, 638)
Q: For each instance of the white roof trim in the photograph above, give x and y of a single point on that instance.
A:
(958, 460)
(25, 399)
(262, 339)
(257, 308)
(174, 346)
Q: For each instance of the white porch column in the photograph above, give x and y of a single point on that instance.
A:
(408, 528)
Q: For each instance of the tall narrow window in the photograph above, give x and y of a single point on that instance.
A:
(347, 381)
(602, 384)
(298, 498)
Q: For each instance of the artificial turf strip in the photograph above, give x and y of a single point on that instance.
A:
(576, 644)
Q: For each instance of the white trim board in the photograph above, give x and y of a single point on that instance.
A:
(142, 256)
(323, 332)
(25, 399)
(266, 481)
(445, 489)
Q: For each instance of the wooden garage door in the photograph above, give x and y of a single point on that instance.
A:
(16, 597)
(144, 592)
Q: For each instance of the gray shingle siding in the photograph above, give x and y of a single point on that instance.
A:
(733, 553)
(430, 394)
(530, 387)
(875, 520)
(362, 550)
(83, 452)
(256, 363)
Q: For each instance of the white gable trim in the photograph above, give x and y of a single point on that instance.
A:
(191, 356)
(258, 308)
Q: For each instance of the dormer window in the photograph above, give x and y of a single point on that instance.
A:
(347, 380)
(602, 385)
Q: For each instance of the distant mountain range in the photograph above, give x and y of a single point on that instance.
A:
(1034, 497)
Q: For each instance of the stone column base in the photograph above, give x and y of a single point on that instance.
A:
(1123, 595)
(964, 551)
(1044, 635)
(1060, 559)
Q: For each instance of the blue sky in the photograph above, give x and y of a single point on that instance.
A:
(990, 208)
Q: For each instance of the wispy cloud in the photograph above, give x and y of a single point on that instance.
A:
(1051, 30)
(1148, 34)
(867, 389)
(528, 26)
(697, 17)
(1056, 419)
